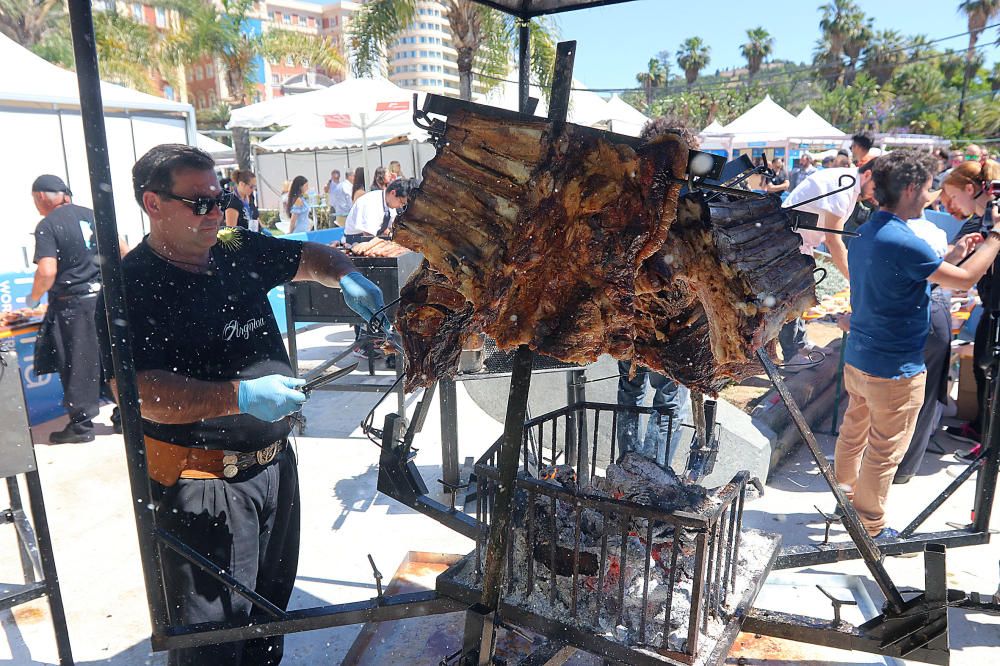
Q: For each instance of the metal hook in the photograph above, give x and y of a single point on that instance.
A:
(732, 183)
(819, 269)
(434, 127)
(840, 188)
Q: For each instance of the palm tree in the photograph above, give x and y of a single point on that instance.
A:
(884, 54)
(838, 25)
(654, 77)
(858, 38)
(978, 13)
(482, 37)
(29, 22)
(692, 57)
(757, 49)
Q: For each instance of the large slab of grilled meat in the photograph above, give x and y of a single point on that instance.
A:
(577, 246)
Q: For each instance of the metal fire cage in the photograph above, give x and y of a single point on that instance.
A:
(916, 627)
(702, 547)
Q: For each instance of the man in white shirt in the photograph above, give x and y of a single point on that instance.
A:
(833, 212)
(373, 214)
(340, 198)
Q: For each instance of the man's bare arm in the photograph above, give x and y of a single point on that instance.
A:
(835, 242)
(45, 277)
(966, 275)
(323, 264)
(171, 398)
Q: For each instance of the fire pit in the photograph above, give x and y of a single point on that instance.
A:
(626, 560)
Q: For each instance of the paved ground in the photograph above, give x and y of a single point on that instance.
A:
(344, 519)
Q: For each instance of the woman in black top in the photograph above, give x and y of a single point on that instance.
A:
(378, 180)
(241, 211)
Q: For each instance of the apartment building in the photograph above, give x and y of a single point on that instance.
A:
(421, 58)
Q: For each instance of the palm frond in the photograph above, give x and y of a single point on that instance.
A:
(374, 27)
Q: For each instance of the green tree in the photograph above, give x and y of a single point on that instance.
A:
(885, 52)
(978, 13)
(692, 57)
(30, 22)
(858, 38)
(852, 105)
(758, 47)
(484, 39)
(654, 77)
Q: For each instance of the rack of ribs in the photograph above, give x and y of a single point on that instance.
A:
(579, 245)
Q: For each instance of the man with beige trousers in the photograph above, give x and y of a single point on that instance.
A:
(891, 271)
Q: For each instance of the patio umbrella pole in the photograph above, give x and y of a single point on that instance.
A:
(364, 146)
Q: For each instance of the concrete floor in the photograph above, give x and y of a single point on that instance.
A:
(344, 519)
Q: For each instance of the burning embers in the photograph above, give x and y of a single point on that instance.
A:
(638, 557)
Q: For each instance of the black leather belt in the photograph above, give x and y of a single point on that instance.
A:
(234, 462)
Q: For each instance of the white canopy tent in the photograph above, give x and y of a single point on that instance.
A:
(585, 107)
(357, 107)
(768, 126)
(625, 118)
(222, 154)
(40, 107)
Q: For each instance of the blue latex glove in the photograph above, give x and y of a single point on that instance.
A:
(363, 296)
(30, 302)
(270, 398)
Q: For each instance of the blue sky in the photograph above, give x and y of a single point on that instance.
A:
(616, 42)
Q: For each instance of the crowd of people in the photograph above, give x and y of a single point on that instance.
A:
(217, 386)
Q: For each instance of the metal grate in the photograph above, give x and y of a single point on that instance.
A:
(499, 361)
(562, 570)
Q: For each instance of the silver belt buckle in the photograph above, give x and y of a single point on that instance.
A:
(267, 454)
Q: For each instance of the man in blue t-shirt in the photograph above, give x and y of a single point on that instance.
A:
(891, 270)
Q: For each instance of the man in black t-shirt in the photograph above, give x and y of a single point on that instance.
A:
(65, 252)
(216, 387)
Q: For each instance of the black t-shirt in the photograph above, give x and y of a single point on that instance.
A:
(237, 205)
(67, 234)
(214, 327)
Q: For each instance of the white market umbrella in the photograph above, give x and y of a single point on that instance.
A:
(766, 121)
(366, 106)
(317, 134)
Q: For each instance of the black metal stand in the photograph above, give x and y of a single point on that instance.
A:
(37, 562)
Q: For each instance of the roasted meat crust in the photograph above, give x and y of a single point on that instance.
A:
(576, 247)
(544, 238)
(433, 320)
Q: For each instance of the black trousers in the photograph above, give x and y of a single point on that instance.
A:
(249, 526)
(67, 344)
(937, 358)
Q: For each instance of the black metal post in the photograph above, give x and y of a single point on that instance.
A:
(43, 539)
(986, 483)
(507, 460)
(92, 111)
(449, 432)
(866, 546)
(523, 64)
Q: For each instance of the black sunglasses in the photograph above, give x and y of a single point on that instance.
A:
(201, 205)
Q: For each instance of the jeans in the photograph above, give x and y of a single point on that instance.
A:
(655, 443)
(792, 338)
(247, 525)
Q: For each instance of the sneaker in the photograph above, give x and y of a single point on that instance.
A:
(970, 455)
(74, 433)
(116, 421)
(374, 354)
(886, 534)
(963, 433)
(900, 479)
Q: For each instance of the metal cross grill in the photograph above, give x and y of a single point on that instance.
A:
(620, 575)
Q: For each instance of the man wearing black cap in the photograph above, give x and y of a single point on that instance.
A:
(66, 252)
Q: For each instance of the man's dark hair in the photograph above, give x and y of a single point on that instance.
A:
(863, 139)
(154, 172)
(897, 170)
(402, 187)
(669, 125)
